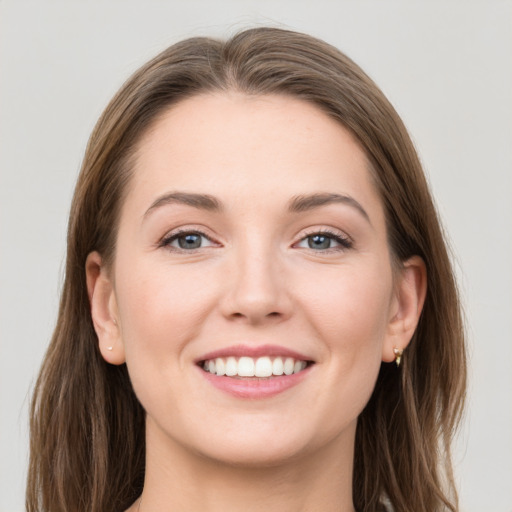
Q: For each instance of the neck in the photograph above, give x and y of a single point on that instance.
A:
(179, 480)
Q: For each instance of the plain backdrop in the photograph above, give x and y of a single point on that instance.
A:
(446, 66)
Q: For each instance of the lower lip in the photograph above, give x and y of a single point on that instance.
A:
(254, 387)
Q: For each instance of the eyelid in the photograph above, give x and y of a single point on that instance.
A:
(174, 234)
(345, 241)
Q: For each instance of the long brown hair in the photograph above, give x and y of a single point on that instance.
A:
(87, 427)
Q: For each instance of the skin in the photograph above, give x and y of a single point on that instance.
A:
(254, 281)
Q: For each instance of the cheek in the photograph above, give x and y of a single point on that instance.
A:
(161, 308)
(161, 312)
(351, 317)
(350, 303)
(346, 309)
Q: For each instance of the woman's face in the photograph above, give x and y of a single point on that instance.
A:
(251, 240)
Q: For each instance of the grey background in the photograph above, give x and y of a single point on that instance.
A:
(446, 66)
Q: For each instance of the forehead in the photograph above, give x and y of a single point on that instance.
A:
(237, 146)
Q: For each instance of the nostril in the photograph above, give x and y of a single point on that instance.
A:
(274, 314)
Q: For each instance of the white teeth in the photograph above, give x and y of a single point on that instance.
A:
(277, 366)
(289, 365)
(297, 367)
(246, 367)
(263, 367)
(220, 368)
(254, 367)
(231, 367)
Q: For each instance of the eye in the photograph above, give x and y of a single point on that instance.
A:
(186, 240)
(324, 241)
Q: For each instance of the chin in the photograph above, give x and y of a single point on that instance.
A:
(271, 445)
(255, 455)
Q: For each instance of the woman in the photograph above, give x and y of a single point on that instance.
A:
(252, 247)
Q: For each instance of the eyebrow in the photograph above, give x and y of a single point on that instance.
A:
(297, 204)
(304, 203)
(201, 201)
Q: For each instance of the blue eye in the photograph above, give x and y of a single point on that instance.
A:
(191, 241)
(188, 240)
(324, 241)
(319, 242)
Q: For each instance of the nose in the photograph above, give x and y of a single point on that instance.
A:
(256, 290)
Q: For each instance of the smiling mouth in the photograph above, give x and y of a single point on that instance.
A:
(257, 367)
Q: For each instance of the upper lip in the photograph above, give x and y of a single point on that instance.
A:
(253, 351)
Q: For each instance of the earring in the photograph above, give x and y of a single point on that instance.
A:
(398, 355)
(109, 348)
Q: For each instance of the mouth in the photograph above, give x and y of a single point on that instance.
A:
(254, 372)
(256, 367)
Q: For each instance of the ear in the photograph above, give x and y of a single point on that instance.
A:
(104, 310)
(409, 297)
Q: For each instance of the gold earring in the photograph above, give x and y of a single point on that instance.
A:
(398, 355)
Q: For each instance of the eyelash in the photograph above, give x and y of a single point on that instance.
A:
(167, 240)
(344, 242)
